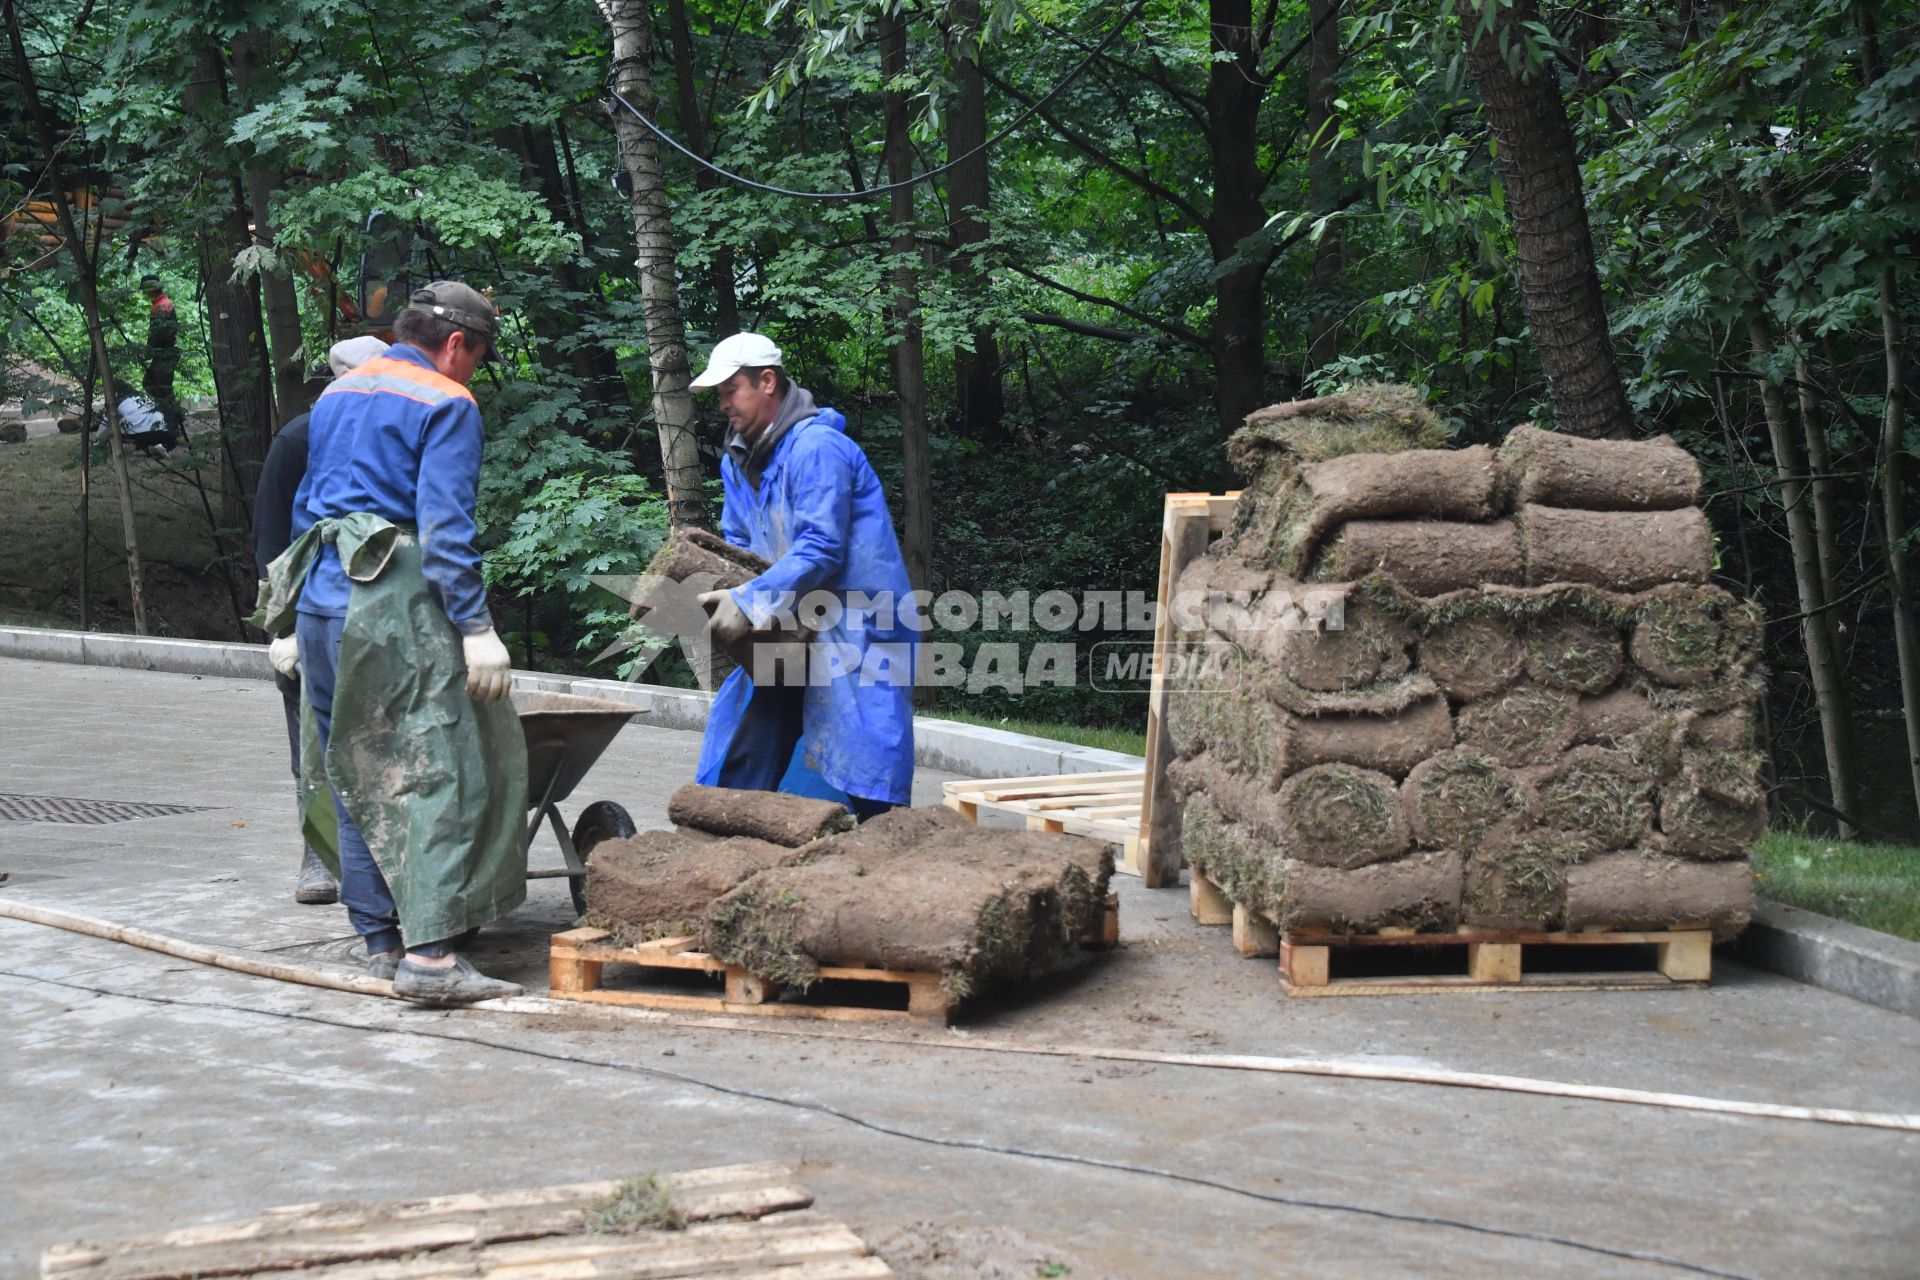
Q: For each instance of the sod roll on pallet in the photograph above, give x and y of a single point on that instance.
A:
(1534, 712)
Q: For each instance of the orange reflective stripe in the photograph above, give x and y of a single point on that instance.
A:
(386, 366)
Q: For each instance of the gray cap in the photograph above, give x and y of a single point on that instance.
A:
(459, 303)
(350, 353)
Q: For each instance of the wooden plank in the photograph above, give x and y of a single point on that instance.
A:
(1183, 537)
(1455, 985)
(1301, 966)
(1209, 905)
(1493, 961)
(961, 787)
(1687, 957)
(1397, 937)
(1254, 935)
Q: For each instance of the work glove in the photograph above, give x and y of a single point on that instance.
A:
(488, 666)
(727, 623)
(284, 654)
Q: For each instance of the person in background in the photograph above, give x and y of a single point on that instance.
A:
(280, 477)
(142, 425)
(163, 351)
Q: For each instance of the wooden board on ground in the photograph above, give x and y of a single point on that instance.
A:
(740, 1219)
(1102, 806)
(1493, 959)
(1189, 522)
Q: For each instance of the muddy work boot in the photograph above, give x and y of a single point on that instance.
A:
(316, 886)
(384, 965)
(458, 983)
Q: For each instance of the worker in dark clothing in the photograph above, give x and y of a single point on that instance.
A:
(163, 351)
(280, 477)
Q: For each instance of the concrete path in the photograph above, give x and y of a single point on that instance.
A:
(143, 1092)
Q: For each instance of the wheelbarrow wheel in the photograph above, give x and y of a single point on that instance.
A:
(602, 820)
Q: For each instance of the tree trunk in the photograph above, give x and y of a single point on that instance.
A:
(1892, 494)
(726, 320)
(1323, 61)
(90, 310)
(1234, 91)
(1559, 283)
(659, 287)
(237, 352)
(1823, 664)
(282, 306)
(909, 361)
(977, 374)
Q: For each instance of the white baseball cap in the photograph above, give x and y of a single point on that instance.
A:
(731, 355)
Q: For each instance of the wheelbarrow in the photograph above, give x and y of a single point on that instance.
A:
(565, 735)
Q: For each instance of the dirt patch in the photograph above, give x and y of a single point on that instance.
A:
(1427, 557)
(1336, 815)
(1522, 726)
(952, 1251)
(1453, 799)
(1419, 891)
(659, 884)
(1559, 470)
(1474, 656)
(1647, 889)
(978, 906)
(1619, 550)
(764, 815)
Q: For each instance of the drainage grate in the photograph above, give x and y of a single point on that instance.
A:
(92, 813)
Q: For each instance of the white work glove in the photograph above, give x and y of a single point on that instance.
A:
(727, 622)
(488, 665)
(284, 654)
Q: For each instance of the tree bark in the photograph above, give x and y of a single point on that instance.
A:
(242, 381)
(1559, 282)
(632, 29)
(726, 303)
(1823, 664)
(277, 293)
(977, 374)
(909, 361)
(90, 309)
(1323, 61)
(1235, 88)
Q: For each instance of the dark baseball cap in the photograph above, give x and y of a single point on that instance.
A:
(459, 303)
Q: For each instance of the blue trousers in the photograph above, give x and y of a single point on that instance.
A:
(763, 744)
(363, 889)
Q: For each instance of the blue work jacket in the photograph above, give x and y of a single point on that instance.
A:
(820, 517)
(397, 438)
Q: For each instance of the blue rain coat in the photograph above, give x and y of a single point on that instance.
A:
(820, 517)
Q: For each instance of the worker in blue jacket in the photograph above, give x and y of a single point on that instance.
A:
(802, 495)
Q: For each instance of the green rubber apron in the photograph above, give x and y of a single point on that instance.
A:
(435, 780)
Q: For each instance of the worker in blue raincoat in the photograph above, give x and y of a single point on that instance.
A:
(803, 496)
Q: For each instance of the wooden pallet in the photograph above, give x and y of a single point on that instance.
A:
(1187, 524)
(750, 1218)
(578, 957)
(1104, 806)
(1495, 958)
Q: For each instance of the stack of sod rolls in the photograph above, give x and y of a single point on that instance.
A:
(1534, 713)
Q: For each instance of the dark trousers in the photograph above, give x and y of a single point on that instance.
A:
(363, 889)
(762, 746)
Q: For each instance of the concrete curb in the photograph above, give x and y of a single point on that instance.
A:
(972, 750)
(1868, 965)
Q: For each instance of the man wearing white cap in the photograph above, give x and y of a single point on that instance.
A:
(803, 496)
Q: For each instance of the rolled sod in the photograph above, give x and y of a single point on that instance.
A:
(1570, 650)
(1455, 798)
(1619, 550)
(1700, 825)
(1431, 484)
(1390, 744)
(1473, 656)
(1238, 858)
(1427, 557)
(1369, 646)
(659, 884)
(1520, 726)
(978, 906)
(765, 815)
(1595, 794)
(1369, 418)
(1687, 635)
(1612, 717)
(1337, 815)
(1647, 889)
(1559, 470)
(1420, 891)
(1517, 879)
